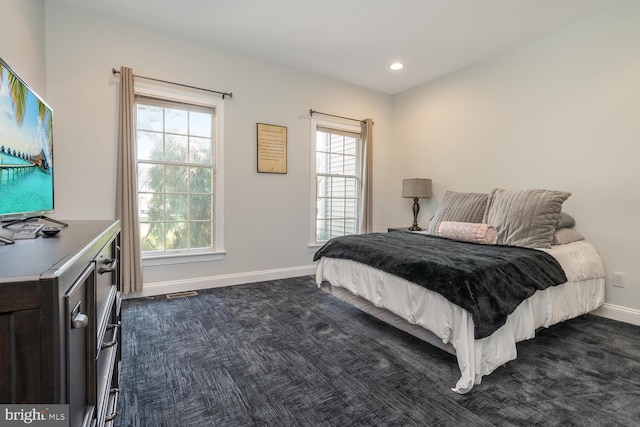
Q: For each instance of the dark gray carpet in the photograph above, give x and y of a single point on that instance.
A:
(285, 353)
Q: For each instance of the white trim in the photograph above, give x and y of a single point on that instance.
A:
(194, 96)
(219, 176)
(312, 182)
(186, 258)
(619, 313)
(162, 288)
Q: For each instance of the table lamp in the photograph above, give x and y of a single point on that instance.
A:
(416, 188)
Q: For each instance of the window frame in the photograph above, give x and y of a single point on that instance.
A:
(193, 96)
(338, 126)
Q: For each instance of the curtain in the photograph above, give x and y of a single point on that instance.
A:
(366, 217)
(126, 188)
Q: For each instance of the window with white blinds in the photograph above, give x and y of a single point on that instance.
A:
(176, 161)
(337, 181)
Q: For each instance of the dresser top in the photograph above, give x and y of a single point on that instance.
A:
(30, 259)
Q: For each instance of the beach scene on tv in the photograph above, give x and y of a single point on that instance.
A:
(26, 164)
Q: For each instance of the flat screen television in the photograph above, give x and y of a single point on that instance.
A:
(26, 150)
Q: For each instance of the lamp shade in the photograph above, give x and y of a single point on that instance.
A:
(416, 188)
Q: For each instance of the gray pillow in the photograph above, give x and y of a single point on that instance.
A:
(565, 221)
(525, 218)
(563, 236)
(459, 207)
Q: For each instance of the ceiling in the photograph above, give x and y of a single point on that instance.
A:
(357, 40)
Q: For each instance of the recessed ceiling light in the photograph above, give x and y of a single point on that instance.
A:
(396, 66)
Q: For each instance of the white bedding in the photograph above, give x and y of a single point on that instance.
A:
(583, 292)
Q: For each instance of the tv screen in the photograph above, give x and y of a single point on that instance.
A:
(26, 149)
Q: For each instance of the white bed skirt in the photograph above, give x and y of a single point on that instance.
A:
(582, 293)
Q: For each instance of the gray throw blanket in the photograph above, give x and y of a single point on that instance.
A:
(487, 281)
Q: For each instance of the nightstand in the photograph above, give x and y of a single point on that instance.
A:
(423, 231)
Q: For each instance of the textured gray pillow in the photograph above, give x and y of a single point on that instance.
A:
(525, 218)
(563, 236)
(459, 207)
(565, 221)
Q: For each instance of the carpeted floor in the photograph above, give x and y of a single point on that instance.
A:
(285, 353)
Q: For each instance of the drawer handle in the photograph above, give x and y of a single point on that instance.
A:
(115, 339)
(80, 321)
(114, 414)
(111, 266)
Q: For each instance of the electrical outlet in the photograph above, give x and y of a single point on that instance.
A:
(618, 279)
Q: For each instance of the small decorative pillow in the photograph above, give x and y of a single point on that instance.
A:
(459, 207)
(562, 236)
(565, 221)
(468, 232)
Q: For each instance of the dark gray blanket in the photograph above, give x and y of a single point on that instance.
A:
(487, 281)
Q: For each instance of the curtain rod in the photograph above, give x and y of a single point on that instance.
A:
(229, 94)
(312, 112)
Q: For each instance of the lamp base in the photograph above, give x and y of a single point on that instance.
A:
(415, 208)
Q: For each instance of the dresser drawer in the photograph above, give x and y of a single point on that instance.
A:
(106, 284)
(106, 362)
(106, 409)
(79, 331)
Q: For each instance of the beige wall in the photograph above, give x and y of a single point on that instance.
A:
(267, 215)
(561, 113)
(22, 41)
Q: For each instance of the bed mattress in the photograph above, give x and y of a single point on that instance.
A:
(453, 326)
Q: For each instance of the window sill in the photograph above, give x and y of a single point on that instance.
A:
(313, 247)
(172, 259)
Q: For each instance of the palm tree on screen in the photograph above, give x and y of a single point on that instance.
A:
(18, 93)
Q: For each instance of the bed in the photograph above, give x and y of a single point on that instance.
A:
(408, 303)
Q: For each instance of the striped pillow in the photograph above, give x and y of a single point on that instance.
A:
(459, 207)
(525, 218)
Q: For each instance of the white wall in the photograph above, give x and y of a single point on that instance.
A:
(267, 215)
(22, 41)
(560, 113)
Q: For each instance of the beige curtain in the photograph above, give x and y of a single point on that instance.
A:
(126, 188)
(366, 217)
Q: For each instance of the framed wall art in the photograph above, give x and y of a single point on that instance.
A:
(272, 148)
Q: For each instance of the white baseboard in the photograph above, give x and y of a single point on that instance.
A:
(162, 288)
(616, 312)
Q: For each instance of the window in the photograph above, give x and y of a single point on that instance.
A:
(179, 174)
(337, 180)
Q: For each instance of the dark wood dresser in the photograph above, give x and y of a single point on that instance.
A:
(60, 321)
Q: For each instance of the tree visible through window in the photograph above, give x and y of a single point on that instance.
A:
(337, 183)
(175, 175)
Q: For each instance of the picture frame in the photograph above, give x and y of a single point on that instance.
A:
(272, 148)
